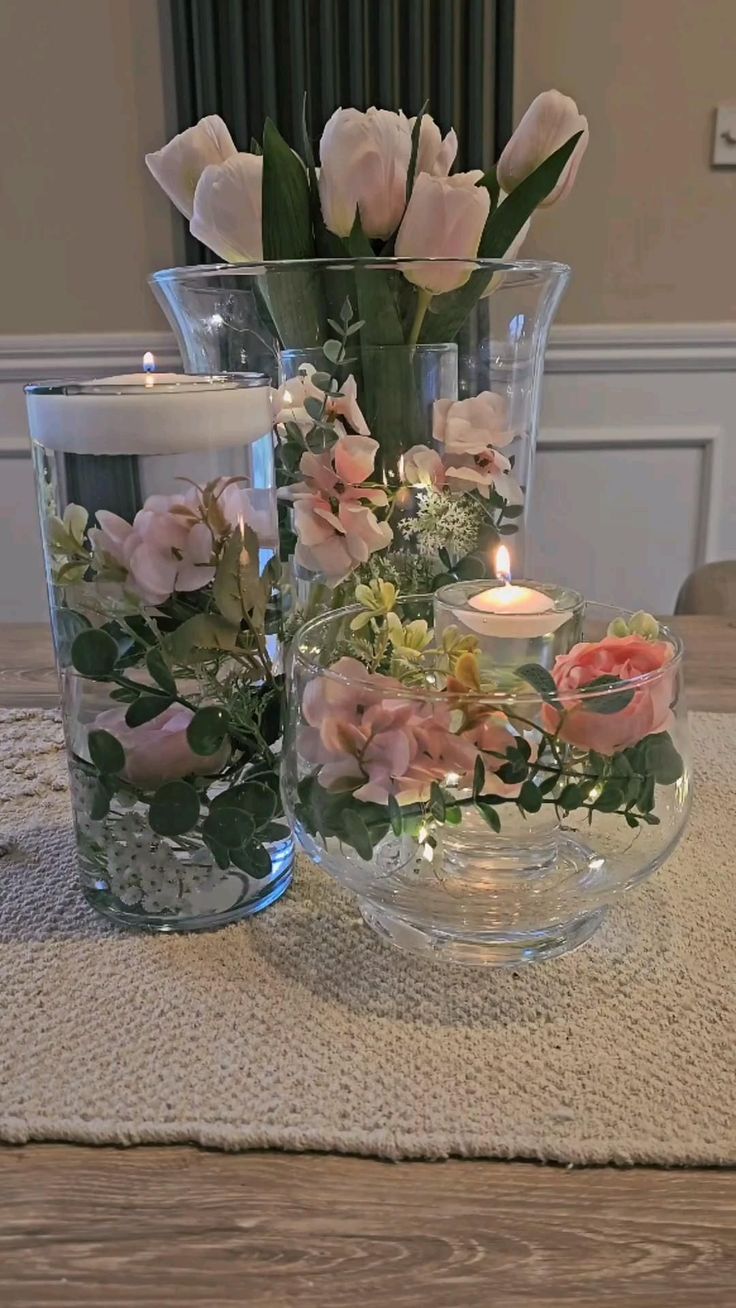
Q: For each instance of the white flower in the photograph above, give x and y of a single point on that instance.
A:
(549, 121)
(444, 220)
(227, 208)
(468, 426)
(180, 164)
(364, 161)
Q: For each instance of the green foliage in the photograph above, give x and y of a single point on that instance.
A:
(160, 672)
(199, 636)
(294, 298)
(540, 680)
(174, 809)
(609, 703)
(106, 752)
(145, 708)
(94, 653)
(208, 729)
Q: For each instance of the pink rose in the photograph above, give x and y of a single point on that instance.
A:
(623, 657)
(334, 516)
(158, 750)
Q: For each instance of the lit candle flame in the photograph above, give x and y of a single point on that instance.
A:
(149, 366)
(502, 564)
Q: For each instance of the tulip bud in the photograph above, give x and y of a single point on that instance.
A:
(435, 155)
(643, 624)
(364, 159)
(549, 121)
(444, 219)
(227, 208)
(179, 165)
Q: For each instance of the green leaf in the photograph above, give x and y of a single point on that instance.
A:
(159, 671)
(611, 798)
(547, 785)
(631, 821)
(395, 817)
(479, 776)
(437, 802)
(67, 625)
(106, 752)
(539, 679)
(530, 797)
(294, 296)
(513, 772)
(203, 632)
(252, 797)
(470, 568)
(504, 222)
(220, 852)
(146, 708)
(99, 804)
(357, 834)
(570, 797)
(610, 702)
(334, 351)
(237, 585)
(229, 826)
(124, 695)
(416, 132)
(488, 812)
(94, 653)
(661, 758)
(207, 729)
(174, 809)
(255, 860)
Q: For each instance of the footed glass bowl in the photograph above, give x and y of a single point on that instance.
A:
(484, 815)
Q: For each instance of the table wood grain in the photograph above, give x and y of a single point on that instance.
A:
(153, 1226)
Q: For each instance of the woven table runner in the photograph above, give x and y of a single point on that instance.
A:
(301, 1030)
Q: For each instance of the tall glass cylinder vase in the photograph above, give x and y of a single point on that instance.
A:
(405, 420)
(158, 518)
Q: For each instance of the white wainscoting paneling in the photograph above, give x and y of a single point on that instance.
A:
(635, 479)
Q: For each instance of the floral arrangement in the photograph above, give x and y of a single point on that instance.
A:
(170, 616)
(383, 479)
(399, 733)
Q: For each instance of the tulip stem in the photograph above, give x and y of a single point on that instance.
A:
(423, 300)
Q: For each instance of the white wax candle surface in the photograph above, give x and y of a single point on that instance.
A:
(516, 612)
(150, 413)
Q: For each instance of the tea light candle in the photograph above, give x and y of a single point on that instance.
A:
(529, 622)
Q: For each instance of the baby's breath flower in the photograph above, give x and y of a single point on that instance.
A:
(443, 520)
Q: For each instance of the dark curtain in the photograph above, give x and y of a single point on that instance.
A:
(251, 59)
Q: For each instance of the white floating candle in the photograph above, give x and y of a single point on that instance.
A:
(511, 611)
(150, 413)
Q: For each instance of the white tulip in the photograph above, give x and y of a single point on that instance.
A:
(364, 161)
(444, 219)
(549, 121)
(227, 208)
(435, 155)
(179, 165)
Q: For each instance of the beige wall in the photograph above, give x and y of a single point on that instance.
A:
(650, 227)
(81, 221)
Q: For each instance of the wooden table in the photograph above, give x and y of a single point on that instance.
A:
(182, 1226)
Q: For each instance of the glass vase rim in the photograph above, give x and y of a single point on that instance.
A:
(537, 269)
(187, 383)
(492, 696)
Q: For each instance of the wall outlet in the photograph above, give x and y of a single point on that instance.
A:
(724, 137)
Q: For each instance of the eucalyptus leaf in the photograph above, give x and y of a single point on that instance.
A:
(356, 833)
(146, 708)
(530, 797)
(488, 812)
(229, 826)
(208, 729)
(99, 804)
(394, 815)
(610, 702)
(174, 809)
(539, 679)
(159, 671)
(94, 653)
(255, 860)
(106, 752)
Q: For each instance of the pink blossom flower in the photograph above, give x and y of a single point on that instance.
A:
(423, 466)
(481, 472)
(288, 402)
(334, 516)
(469, 426)
(375, 743)
(623, 657)
(168, 547)
(158, 750)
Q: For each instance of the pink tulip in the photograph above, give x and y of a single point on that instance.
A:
(444, 219)
(364, 159)
(435, 155)
(158, 750)
(549, 121)
(227, 208)
(180, 164)
(334, 516)
(624, 657)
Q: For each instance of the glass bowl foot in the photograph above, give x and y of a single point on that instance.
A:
(510, 949)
